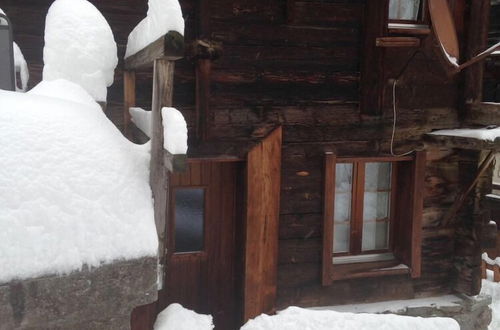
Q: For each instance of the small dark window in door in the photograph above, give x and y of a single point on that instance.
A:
(189, 219)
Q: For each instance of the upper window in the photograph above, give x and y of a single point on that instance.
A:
(406, 11)
(372, 213)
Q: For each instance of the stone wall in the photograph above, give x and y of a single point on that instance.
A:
(98, 298)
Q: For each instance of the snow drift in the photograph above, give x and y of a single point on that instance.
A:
(73, 190)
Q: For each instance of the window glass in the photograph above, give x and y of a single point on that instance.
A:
(376, 206)
(404, 9)
(342, 207)
(189, 219)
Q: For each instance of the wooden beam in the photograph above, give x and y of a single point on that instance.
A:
(483, 114)
(169, 47)
(163, 80)
(262, 225)
(175, 163)
(129, 98)
(391, 42)
(459, 201)
(372, 69)
(203, 71)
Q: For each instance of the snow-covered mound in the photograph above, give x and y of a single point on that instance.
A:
(63, 89)
(73, 190)
(491, 288)
(174, 131)
(295, 318)
(162, 16)
(21, 67)
(79, 46)
(142, 119)
(176, 317)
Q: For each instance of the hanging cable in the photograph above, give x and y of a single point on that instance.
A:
(394, 122)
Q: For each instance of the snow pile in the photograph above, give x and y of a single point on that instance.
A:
(485, 134)
(73, 190)
(176, 317)
(162, 16)
(489, 261)
(174, 131)
(63, 89)
(295, 318)
(79, 46)
(492, 289)
(142, 119)
(21, 67)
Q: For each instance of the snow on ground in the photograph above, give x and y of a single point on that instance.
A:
(73, 190)
(142, 119)
(174, 131)
(21, 67)
(295, 318)
(176, 317)
(395, 306)
(162, 16)
(63, 89)
(492, 289)
(79, 46)
(475, 133)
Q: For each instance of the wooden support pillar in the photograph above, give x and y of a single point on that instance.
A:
(477, 25)
(372, 70)
(203, 70)
(163, 80)
(129, 98)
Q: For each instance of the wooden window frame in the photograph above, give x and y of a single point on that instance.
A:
(405, 232)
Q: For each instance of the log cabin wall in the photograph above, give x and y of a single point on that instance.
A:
(297, 64)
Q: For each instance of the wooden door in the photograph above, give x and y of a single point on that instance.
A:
(201, 241)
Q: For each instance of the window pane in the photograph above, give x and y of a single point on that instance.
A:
(377, 176)
(404, 9)
(376, 206)
(342, 207)
(375, 235)
(341, 237)
(189, 211)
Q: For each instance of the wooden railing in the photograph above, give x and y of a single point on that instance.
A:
(489, 264)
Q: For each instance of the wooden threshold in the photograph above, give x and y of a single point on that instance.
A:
(391, 42)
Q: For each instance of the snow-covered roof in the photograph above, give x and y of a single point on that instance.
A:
(79, 47)
(485, 134)
(162, 16)
(73, 190)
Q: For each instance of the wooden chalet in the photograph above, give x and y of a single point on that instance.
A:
(309, 178)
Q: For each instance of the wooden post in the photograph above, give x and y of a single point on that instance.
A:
(129, 98)
(163, 80)
(203, 70)
(496, 273)
(483, 269)
(372, 71)
(477, 40)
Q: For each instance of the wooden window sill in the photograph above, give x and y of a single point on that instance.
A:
(369, 269)
(409, 29)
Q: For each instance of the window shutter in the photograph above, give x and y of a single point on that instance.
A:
(408, 231)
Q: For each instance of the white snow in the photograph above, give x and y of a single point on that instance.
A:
(396, 306)
(174, 131)
(162, 16)
(63, 89)
(491, 288)
(475, 133)
(142, 119)
(73, 190)
(22, 67)
(2, 21)
(295, 318)
(176, 317)
(79, 46)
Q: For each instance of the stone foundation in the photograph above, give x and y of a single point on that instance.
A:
(98, 298)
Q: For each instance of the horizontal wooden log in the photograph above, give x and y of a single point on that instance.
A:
(320, 13)
(450, 142)
(483, 114)
(395, 42)
(169, 46)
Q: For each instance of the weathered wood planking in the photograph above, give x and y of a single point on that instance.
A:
(262, 223)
